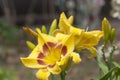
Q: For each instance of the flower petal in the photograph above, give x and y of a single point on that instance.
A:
(31, 63)
(76, 31)
(55, 69)
(43, 74)
(70, 19)
(63, 60)
(63, 23)
(36, 51)
(44, 38)
(69, 43)
(76, 57)
(89, 39)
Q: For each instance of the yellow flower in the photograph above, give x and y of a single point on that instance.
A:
(66, 27)
(88, 40)
(51, 53)
(82, 38)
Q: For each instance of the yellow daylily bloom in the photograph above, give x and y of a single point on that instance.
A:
(83, 39)
(89, 40)
(49, 54)
(66, 27)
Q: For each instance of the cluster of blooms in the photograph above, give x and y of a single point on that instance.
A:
(55, 50)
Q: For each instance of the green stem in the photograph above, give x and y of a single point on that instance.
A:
(62, 75)
(110, 59)
(104, 57)
(52, 77)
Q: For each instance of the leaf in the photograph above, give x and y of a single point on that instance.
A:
(115, 70)
(102, 66)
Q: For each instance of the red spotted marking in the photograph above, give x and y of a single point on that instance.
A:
(40, 62)
(51, 44)
(64, 50)
(51, 66)
(59, 46)
(41, 56)
(45, 48)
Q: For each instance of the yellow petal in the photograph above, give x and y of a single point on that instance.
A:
(76, 31)
(36, 51)
(96, 33)
(69, 43)
(63, 60)
(89, 39)
(64, 24)
(55, 70)
(57, 31)
(44, 38)
(43, 74)
(70, 19)
(76, 57)
(31, 63)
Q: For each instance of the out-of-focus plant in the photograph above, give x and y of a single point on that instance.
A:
(58, 49)
(109, 69)
(8, 34)
(115, 12)
(7, 74)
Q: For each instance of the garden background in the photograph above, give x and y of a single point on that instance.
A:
(14, 14)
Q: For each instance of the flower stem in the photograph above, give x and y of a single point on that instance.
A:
(62, 75)
(110, 59)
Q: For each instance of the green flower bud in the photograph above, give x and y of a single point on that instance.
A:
(53, 26)
(44, 30)
(30, 45)
(112, 35)
(106, 28)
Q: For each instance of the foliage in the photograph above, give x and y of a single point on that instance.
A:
(9, 34)
(7, 74)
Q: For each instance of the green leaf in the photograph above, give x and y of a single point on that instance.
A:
(115, 70)
(102, 66)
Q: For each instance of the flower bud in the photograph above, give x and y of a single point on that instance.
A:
(53, 26)
(106, 30)
(112, 35)
(44, 29)
(30, 45)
